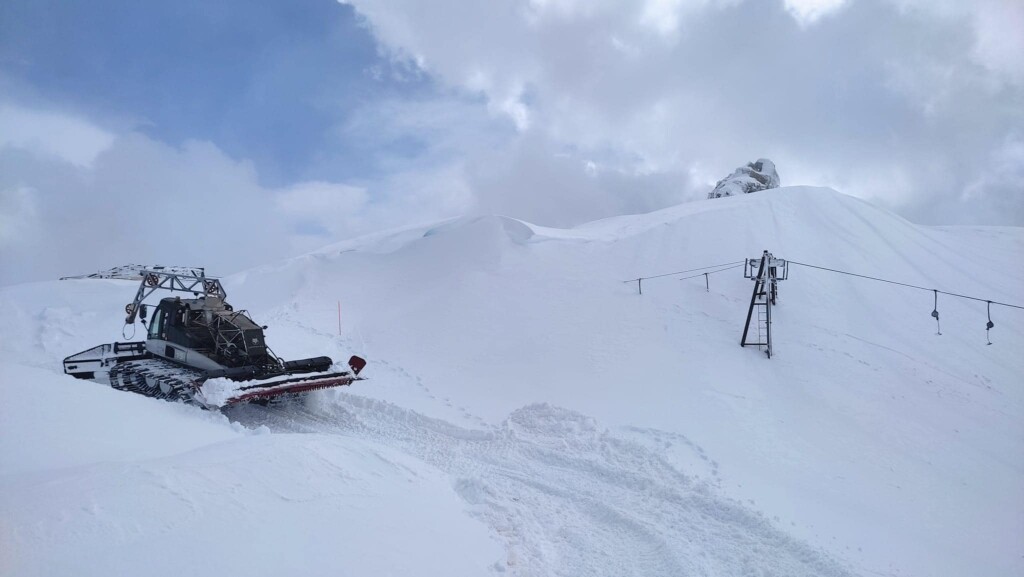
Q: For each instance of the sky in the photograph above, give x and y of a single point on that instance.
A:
(232, 134)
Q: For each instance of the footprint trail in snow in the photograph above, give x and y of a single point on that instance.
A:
(567, 497)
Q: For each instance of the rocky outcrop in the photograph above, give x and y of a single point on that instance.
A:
(755, 176)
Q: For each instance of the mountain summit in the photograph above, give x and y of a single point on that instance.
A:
(755, 176)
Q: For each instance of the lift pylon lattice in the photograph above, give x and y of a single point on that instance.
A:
(769, 271)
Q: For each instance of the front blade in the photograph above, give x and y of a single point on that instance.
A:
(222, 392)
(290, 387)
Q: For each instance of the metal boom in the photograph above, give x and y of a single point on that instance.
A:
(154, 280)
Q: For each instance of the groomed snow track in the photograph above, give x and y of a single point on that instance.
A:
(565, 497)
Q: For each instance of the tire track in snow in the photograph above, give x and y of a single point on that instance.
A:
(566, 497)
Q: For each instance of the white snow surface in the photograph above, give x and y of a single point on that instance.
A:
(528, 413)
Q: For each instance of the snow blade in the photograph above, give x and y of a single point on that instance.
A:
(268, 391)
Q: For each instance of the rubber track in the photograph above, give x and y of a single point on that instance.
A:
(158, 379)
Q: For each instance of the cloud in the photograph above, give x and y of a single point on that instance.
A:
(140, 200)
(18, 210)
(325, 203)
(532, 180)
(556, 111)
(999, 188)
(896, 101)
(50, 133)
(807, 12)
(999, 28)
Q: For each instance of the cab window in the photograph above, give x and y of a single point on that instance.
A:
(156, 325)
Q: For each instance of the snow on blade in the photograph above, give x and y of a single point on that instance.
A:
(221, 392)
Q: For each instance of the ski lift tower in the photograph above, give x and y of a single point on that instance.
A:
(769, 271)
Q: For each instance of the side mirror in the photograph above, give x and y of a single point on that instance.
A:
(143, 311)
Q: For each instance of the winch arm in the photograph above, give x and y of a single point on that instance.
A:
(152, 280)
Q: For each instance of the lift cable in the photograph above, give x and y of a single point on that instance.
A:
(640, 280)
(713, 271)
(684, 271)
(935, 291)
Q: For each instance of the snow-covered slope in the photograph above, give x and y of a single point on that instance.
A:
(551, 420)
(98, 482)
